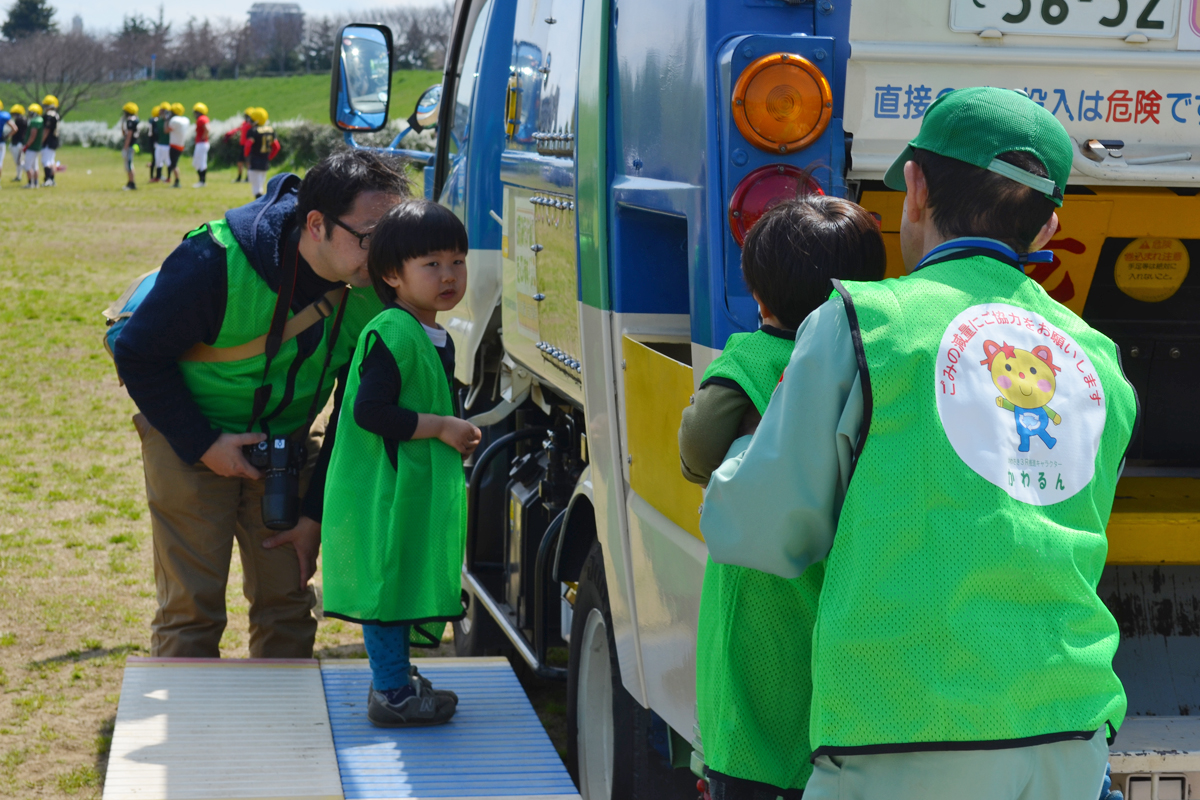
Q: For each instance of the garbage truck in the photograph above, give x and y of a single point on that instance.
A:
(607, 158)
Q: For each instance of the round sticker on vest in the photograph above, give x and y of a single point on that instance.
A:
(1020, 402)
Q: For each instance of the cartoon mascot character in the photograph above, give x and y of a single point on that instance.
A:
(1026, 382)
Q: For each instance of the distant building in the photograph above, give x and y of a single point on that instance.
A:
(275, 28)
(77, 24)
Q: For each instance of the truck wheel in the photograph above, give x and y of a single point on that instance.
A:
(609, 752)
(477, 634)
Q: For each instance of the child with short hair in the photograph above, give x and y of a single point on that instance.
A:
(394, 527)
(755, 630)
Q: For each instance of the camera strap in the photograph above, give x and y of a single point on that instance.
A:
(290, 265)
(313, 410)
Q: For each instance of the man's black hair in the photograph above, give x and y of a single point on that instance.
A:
(415, 227)
(794, 249)
(333, 185)
(965, 200)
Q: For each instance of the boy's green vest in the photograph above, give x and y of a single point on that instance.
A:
(960, 597)
(393, 539)
(754, 643)
(225, 390)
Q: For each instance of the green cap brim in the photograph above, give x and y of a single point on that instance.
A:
(894, 179)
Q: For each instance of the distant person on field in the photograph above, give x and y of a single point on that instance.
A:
(260, 149)
(218, 290)
(6, 131)
(155, 122)
(50, 118)
(238, 137)
(395, 483)
(35, 137)
(129, 127)
(177, 129)
(162, 142)
(200, 150)
(20, 125)
(753, 686)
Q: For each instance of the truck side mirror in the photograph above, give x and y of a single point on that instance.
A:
(362, 79)
(425, 115)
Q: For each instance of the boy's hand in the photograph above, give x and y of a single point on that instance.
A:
(459, 434)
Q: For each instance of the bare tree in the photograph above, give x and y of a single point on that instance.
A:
(286, 35)
(320, 45)
(419, 35)
(235, 42)
(74, 67)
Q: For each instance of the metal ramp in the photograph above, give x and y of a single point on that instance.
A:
(211, 729)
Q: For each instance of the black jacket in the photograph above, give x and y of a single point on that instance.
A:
(187, 306)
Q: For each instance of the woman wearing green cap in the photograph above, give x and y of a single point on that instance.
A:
(960, 648)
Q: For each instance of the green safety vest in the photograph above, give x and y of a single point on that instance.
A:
(754, 642)
(960, 602)
(393, 539)
(225, 390)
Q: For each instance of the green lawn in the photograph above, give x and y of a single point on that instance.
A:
(304, 96)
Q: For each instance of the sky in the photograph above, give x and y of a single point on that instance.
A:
(108, 16)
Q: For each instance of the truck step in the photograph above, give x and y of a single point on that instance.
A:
(220, 729)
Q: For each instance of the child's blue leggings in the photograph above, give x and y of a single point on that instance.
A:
(387, 650)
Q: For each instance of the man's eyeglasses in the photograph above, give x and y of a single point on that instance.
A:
(364, 239)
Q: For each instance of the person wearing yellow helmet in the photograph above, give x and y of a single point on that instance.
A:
(35, 137)
(238, 137)
(177, 131)
(200, 150)
(261, 148)
(6, 129)
(50, 120)
(19, 126)
(155, 123)
(162, 142)
(129, 127)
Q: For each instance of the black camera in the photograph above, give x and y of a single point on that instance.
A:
(280, 460)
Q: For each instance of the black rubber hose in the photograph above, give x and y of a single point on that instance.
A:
(479, 470)
(540, 599)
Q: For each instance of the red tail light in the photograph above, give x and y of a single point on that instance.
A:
(760, 190)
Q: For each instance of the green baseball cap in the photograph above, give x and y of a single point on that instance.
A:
(975, 125)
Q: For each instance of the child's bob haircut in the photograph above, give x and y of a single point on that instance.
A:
(795, 248)
(413, 228)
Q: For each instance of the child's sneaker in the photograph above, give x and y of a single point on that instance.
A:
(416, 678)
(410, 706)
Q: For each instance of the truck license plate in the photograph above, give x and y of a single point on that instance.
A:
(1156, 19)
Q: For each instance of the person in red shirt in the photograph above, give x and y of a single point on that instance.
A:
(238, 137)
(200, 151)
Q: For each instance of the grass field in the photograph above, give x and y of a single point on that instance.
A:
(76, 580)
(304, 96)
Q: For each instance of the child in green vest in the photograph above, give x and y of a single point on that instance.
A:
(755, 631)
(394, 527)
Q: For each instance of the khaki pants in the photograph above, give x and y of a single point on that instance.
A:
(196, 516)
